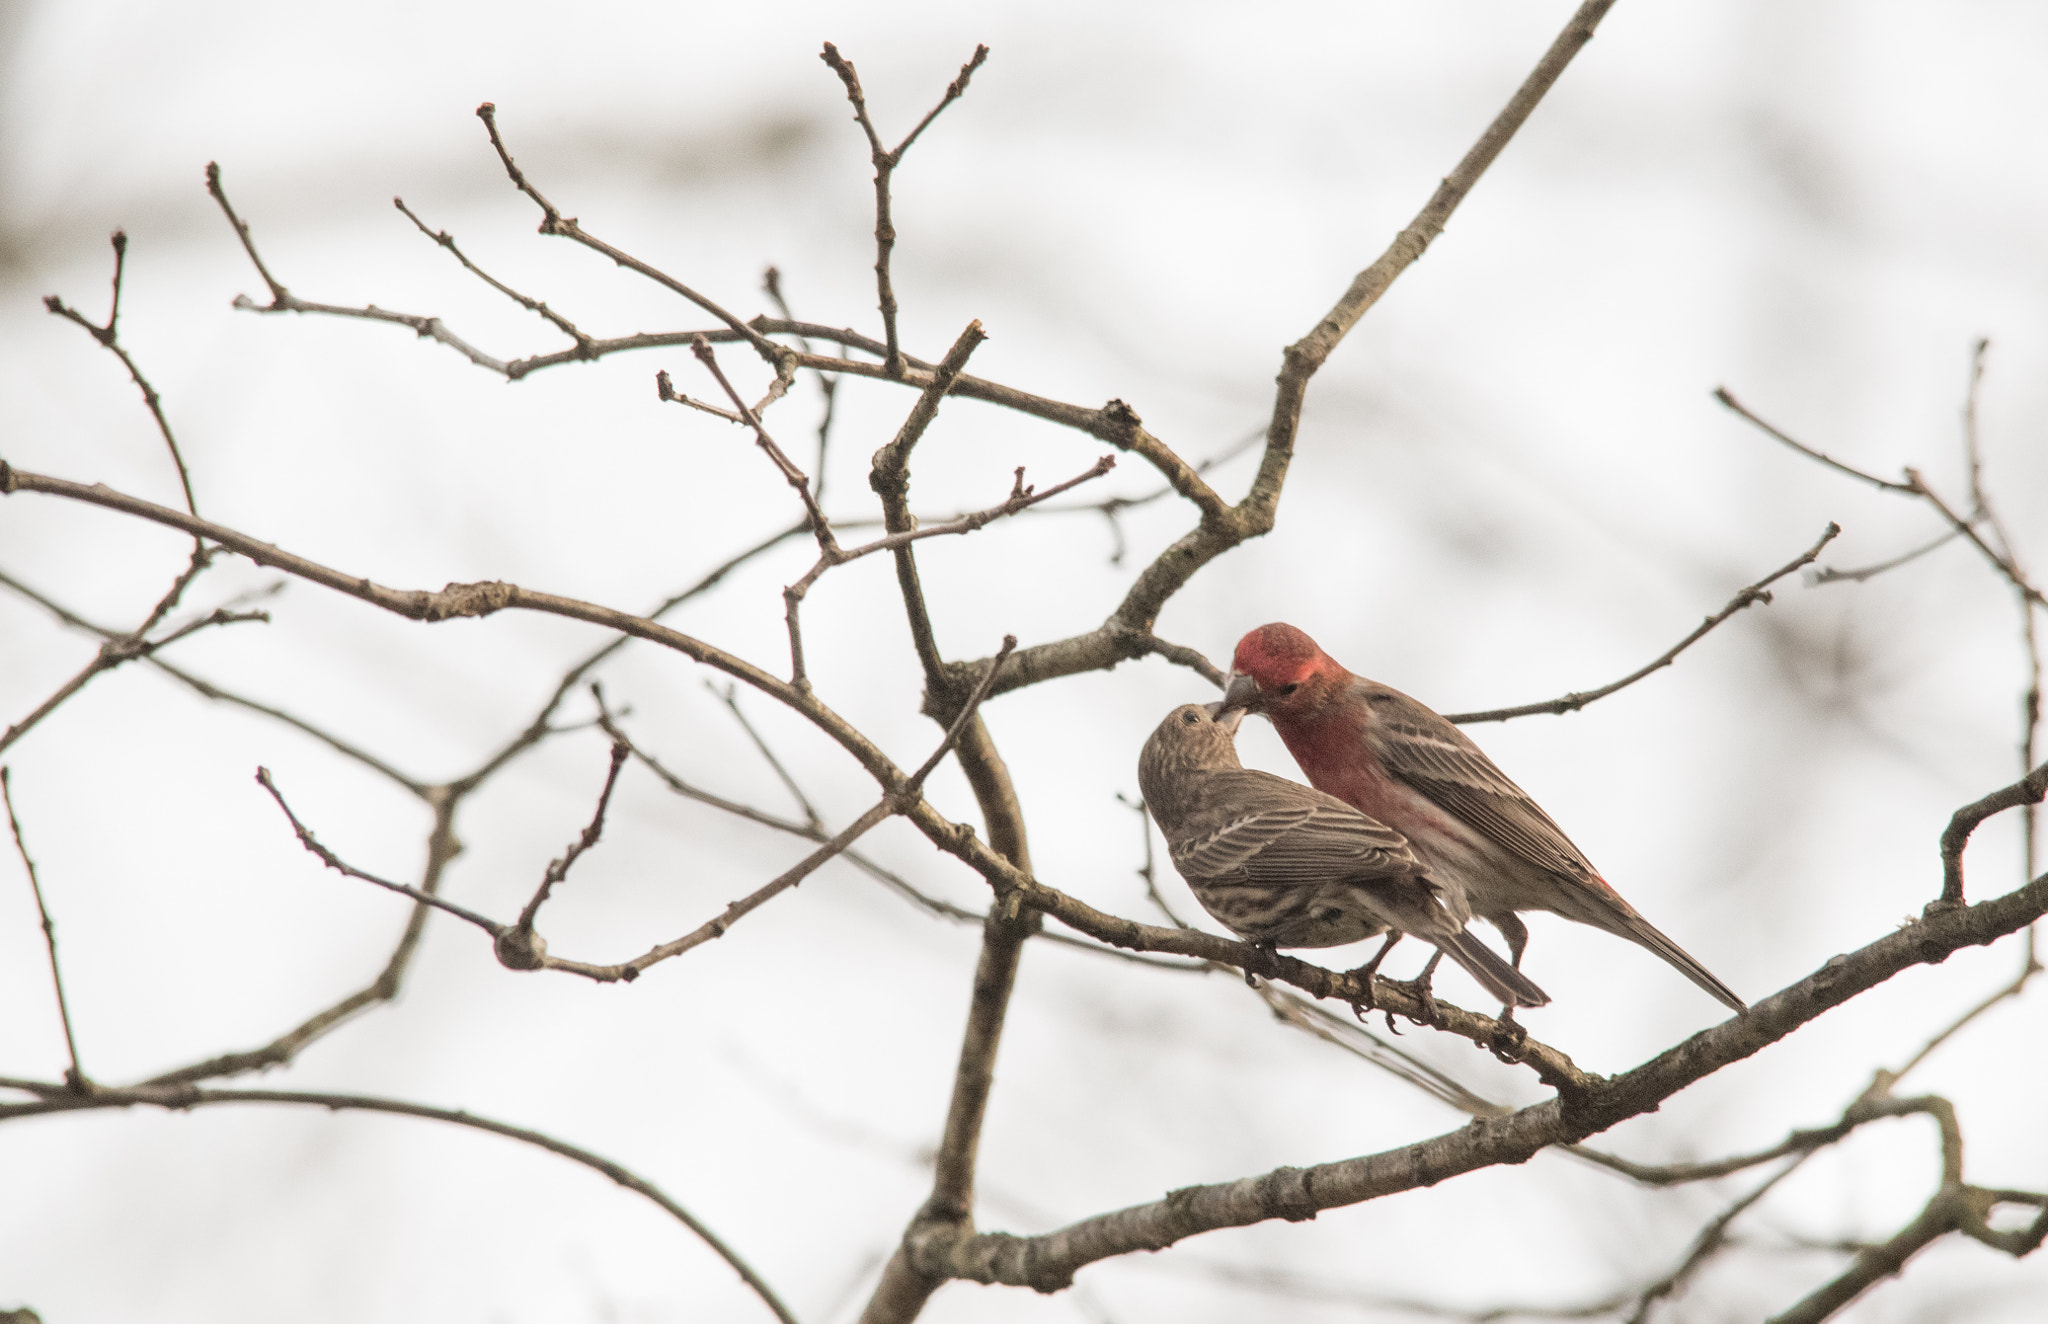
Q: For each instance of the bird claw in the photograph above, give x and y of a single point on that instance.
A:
(1420, 989)
(1270, 961)
(1508, 1037)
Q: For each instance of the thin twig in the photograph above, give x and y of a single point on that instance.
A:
(666, 392)
(441, 848)
(821, 528)
(584, 343)
(2030, 966)
(554, 223)
(1727, 398)
(1753, 594)
(729, 696)
(109, 337)
(895, 882)
(966, 715)
(1999, 560)
(889, 476)
(75, 1077)
(1829, 575)
(112, 653)
(341, 866)
(885, 163)
(182, 1097)
(466, 600)
(828, 384)
(283, 300)
(717, 928)
(1710, 1240)
(1021, 498)
(791, 474)
(558, 869)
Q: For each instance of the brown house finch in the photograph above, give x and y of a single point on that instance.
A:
(1285, 866)
(1480, 835)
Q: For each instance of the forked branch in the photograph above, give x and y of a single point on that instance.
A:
(885, 161)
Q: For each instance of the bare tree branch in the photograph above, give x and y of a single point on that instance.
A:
(584, 343)
(553, 222)
(1592, 1104)
(885, 162)
(1750, 596)
(558, 869)
(1830, 575)
(75, 1078)
(1307, 355)
(441, 848)
(110, 337)
(2028, 790)
(1727, 398)
(464, 600)
(828, 384)
(1967, 529)
(114, 652)
(1127, 634)
(182, 1097)
(814, 832)
(343, 867)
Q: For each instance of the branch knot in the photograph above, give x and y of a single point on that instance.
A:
(479, 599)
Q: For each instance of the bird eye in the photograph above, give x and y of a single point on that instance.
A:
(1289, 689)
(1189, 719)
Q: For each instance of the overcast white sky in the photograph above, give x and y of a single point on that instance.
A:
(1512, 482)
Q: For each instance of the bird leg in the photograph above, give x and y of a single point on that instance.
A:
(1517, 934)
(1509, 1034)
(1419, 986)
(1364, 975)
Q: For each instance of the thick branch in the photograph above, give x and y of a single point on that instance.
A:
(1590, 1106)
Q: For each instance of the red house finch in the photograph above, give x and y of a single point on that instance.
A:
(1285, 866)
(1480, 835)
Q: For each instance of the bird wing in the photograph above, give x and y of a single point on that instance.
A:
(1280, 834)
(1424, 750)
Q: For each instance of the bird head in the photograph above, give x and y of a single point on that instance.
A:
(1190, 741)
(1279, 671)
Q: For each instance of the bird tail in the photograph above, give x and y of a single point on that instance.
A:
(1497, 977)
(1641, 932)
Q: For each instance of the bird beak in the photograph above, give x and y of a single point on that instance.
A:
(1225, 718)
(1240, 694)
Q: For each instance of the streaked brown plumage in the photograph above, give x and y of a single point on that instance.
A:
(1485, 842)
(1283, 865)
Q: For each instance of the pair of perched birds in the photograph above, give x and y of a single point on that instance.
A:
(1410, 828)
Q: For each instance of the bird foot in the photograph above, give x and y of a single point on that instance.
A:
(1363, 1007)
(1420, 989)
(1508, 1037)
